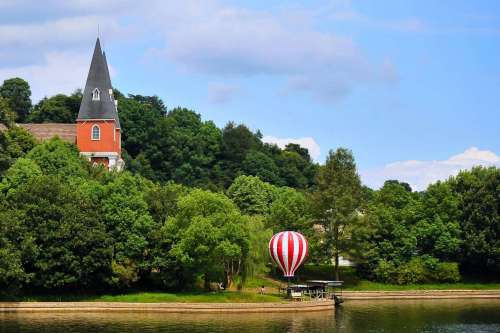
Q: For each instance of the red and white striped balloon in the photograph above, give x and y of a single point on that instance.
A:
(288, 249)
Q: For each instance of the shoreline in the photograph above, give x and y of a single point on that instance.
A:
(309, 306)
(271, 307)
(422, 294)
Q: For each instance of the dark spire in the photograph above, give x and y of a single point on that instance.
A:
(98, 78)
(107, 69)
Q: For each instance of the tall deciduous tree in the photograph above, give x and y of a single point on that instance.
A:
(290, 210)
(14, 143)
(252, 195)
(56, 157)
(337, 198)
(479, 192)
(259, 164)
(208, 237)
(7, 116)
(57, 109)
(18, 94)
(64, 241)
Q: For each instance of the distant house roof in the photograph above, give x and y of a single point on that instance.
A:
(98, 78)
(42, 132)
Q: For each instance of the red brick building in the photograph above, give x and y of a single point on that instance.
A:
(97, 131)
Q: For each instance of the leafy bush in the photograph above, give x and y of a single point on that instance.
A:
(447, 272)
(423, 269)
(385, 271)
(412, 272)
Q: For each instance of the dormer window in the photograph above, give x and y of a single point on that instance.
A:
(96, 132)
(96, 95)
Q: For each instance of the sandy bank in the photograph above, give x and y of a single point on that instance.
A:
(165, 307)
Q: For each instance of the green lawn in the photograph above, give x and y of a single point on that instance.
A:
(252, 286)
(157, 297)
(364, 285)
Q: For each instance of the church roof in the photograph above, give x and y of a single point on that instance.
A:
(46, 131)
(42, 132)
(99, 78)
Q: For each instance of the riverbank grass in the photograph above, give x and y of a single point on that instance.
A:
(156, 297)
(365, 285)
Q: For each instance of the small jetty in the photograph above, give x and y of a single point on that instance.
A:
(315, 290)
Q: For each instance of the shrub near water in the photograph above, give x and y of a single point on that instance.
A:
(417, 270)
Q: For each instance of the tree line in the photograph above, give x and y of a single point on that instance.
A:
(199, 204)
(175, 144)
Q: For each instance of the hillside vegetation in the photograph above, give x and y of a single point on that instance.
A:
(197, 204)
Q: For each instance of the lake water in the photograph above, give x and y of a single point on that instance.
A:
(457, 316)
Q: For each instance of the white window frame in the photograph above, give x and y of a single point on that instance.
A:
(92, 132)
(96, 94)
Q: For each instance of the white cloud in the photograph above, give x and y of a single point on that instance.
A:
(419, 174)
(209, 37)
(60, 72)
(57, 33)
(307, 142)
(213, 38)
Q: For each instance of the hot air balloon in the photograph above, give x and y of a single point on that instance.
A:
(288, 249)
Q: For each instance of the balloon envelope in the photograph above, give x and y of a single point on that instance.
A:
(288, 249)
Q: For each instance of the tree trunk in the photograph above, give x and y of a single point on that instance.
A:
(336, 251)
(229, 280)
(207, 282)
(336, 267)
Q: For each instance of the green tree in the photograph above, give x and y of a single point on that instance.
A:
(21, 172)
(57, 157)
(237, 141)
(290, 210)
(13, 244)
(258, 164)
(14, 143)
(479, 193)
(69, 246)
(18, 94)
(138, 121)
(437, 228)
(295, 171)
(251, 195)
(337, 199)
(154, 101)
(7, 116)
(258, 256)
(124, 210)
(382, 236)
(303, 152)
(162, 200)
(208, 237)
(57, 109)
(408, 237)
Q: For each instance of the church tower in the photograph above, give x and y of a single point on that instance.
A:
(98, 131)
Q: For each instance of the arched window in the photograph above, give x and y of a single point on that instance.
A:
(96, 132)
(96, 95)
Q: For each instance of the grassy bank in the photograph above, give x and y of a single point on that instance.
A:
(250, 294)
(352, 281)
(375, 286)
(155, 297)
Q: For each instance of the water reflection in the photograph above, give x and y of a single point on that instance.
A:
(461, 316)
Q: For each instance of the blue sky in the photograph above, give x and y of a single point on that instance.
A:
(412, 87)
